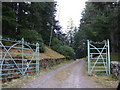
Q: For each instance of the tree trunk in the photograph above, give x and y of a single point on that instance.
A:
(112, 43)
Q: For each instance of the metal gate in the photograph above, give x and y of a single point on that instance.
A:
(18, 58)
(98, 57)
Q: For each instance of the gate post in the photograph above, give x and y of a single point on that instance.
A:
(1, 52)
(22, 56)
(88, 43)
(37, 57)
(1, 61)
(108, 56)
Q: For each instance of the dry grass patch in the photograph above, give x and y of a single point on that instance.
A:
(108, 80)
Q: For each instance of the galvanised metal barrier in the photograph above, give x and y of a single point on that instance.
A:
(18, 59)
(98, 57)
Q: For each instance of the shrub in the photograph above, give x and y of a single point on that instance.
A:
(65, 50)
(56, 43)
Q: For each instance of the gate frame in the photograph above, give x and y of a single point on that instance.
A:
(107, 46)
(34, 56)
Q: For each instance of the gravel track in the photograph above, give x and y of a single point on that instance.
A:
(69, 76)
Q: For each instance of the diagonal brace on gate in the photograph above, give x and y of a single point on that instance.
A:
(100, 54)
(105, 61)
(7, 52)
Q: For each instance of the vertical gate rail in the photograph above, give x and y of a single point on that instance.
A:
(100, 62)
(108, 54)
(37, 57)
(15, 64)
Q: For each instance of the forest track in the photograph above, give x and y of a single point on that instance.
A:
(69, 76)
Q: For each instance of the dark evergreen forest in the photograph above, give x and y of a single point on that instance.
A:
(35, 22)
(100, 21)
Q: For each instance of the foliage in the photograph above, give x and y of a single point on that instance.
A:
(8, 20)
(34, 22)
(32, 36)
(56, 43)
(98, 23)
(65, 50)
(30, 20)
(33, 16)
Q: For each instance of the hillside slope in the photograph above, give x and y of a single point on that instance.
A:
(28, 54)
(50, 54)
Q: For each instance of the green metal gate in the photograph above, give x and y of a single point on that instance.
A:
(98, 57)
(15, 64)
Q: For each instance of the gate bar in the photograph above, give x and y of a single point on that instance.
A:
(37, 57)
(108, 57)
(88, 55)
(107, 62)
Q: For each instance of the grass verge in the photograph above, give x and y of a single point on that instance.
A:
(18, 83)
(109, 81)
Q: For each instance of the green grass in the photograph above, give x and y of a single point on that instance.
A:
(17, 83)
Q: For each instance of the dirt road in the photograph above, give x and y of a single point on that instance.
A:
(69, 76)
